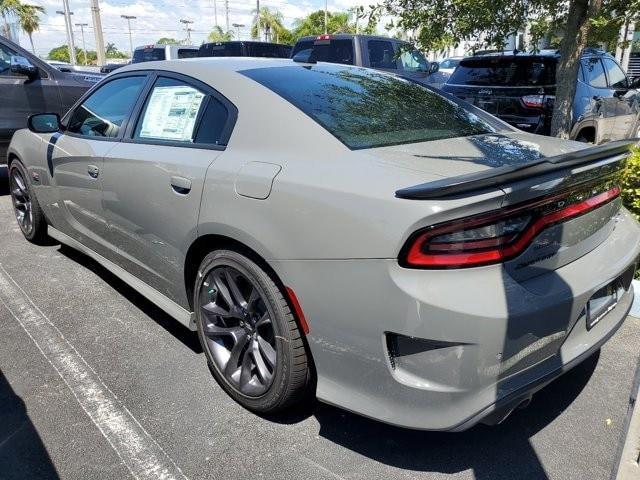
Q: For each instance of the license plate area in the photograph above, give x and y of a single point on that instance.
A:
(602, 302)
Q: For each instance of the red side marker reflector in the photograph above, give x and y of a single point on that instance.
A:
(298, 310)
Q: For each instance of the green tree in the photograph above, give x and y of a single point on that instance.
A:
(337, 22)
(9, 9)
(111, 51)
(29, 18)
(271, 26)
(218, 35)
(168, 41)
(61, 54)
(442, 23)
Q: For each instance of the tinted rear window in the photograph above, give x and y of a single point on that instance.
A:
(187, 53)
(505, 71)
(332, 51)
(230, 49)
(148, 55)
(365, 109)
(267, 50)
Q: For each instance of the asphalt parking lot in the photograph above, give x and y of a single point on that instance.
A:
(141, 371)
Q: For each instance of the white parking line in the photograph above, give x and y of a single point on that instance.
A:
(139, 452)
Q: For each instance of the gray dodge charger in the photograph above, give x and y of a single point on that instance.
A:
(339, 231)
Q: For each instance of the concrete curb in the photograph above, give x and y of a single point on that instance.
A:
(635, 308)
(629, 465)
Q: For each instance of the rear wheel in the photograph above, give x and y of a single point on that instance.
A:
(25, 205)
(249, 334)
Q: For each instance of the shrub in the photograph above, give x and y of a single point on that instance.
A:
(631, 184)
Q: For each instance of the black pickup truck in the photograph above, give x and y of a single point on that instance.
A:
(29, 85)
(382, 53)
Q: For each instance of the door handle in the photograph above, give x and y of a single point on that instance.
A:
(93, 171)
(181, 185)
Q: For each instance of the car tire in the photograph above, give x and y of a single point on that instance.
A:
(271, 384)
(29, 215)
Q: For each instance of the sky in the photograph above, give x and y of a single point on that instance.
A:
(161, 18)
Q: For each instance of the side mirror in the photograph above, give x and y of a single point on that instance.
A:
(434, 67)
(44, 123)
(634, 82)
(22, 66)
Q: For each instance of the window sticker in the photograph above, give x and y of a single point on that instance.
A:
(171, 113)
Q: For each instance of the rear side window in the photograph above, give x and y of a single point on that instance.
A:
(148, 55)
(617, 78)
(505, 71)
(213, 124)
(332, 51)
(103, 113)
(381, 54)
(187, 53)
(594, 72)
(367, 108)
(170, 112)
(265, 50)
(224, 49)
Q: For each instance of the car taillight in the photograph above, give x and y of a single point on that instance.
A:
(499, 235)
(533, 101)
(323, 37)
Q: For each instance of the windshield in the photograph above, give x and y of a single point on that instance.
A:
(449, 63)
(148, 55)
(365, 108)
(505, 71)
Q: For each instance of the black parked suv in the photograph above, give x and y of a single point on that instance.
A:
(244, 49)
(29, 85)
(520, 89)
(372, 51)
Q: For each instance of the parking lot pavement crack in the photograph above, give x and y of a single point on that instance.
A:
(138, 451)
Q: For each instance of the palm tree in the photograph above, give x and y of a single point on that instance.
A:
(270, 23)
(30, 21)
(8, 8)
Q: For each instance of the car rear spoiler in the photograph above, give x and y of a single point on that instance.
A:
(498, 177)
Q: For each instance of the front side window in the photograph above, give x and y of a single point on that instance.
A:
(617, 78)
(381, 54)
(367, 108)
(170, 112)
(594, 72)
(5, 60)
(413, 61)
(103, 113)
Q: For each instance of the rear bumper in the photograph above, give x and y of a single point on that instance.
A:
(442, 350)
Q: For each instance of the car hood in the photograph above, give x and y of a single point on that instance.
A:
(452, 157)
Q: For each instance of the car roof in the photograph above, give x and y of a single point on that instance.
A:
(232, 64)
(164, 45)
(245, 42)
(543, 53)
(342, 36)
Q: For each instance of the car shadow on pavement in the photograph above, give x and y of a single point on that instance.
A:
(4, 180)
(502, 451)
(179, 331)
(22, 452)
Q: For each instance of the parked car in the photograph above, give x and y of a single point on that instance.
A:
(244, 49)
(81, 69)
(410, 257)
(520, 89)
(380, 53)
(158, 51)
(29, 85)
(448, 65)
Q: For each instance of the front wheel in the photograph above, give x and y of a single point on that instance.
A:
(25, 205)
(249, 334)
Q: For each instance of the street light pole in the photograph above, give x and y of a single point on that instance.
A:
(128, 18)
(226, 12)
(97, 30)
(258, 19)
(325, 17)
(67, 23)
(186, 27)
(215, 12)
(84, 45)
